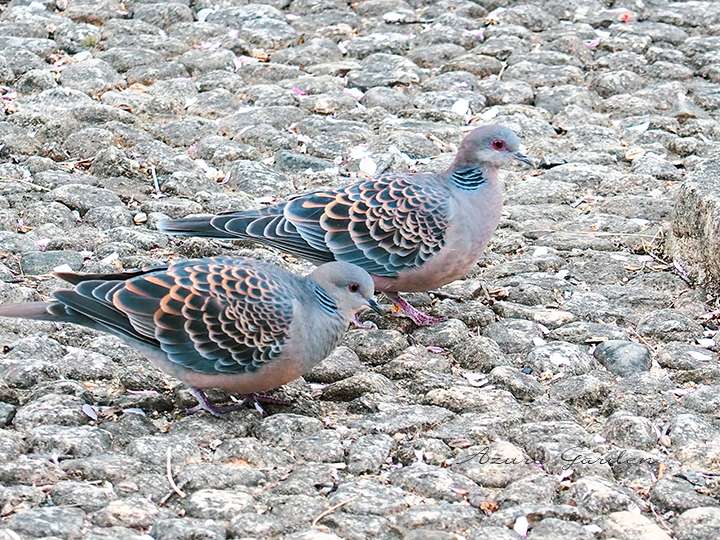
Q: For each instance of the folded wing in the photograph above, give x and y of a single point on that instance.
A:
(383, 225)
(209, 316)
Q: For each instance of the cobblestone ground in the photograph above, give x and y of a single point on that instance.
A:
(573, 392)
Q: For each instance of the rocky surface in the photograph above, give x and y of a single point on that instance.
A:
(695, 240)
(573, 392)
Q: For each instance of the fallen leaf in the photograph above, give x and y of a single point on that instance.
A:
(489, 507)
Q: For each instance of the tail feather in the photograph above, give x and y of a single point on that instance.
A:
(73, 308)
(76, 278)
(37, 311)
(192, 226)
(233, 224)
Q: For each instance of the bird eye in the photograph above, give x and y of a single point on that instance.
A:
(498, 144)
(354, 287)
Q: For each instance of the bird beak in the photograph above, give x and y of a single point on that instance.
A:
(374, 306)
(523, 158)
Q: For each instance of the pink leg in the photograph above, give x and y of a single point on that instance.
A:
(204, 403)
(417, 316)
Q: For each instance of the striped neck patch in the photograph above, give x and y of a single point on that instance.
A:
(327, 304)
(468, 179)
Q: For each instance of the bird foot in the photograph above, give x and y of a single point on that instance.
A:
(403, 307)
(363, 325)
(250, 400)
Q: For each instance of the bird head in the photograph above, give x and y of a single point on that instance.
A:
(491, 145)
(350, 286)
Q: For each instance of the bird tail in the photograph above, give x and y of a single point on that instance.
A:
(225, 225)
(37, 311)
(192, 226)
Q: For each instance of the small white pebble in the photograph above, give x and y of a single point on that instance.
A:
(521, 526)
(203, 14)
(368, 166)
(63, 268)
(699, 356)
(110, 258)
(461, 107)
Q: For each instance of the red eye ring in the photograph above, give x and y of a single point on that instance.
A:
(354, 287)
(498, 144)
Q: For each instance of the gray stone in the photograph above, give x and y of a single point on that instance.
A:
(82, 197)
(324, 446)
(376, 346)
(627, 525)
(513, 335)
(75, 38)
(611, 83)
(369, 453)
(697, 209)
(83, 495)
(357, 385)
(630, 431)
(256, 179)
(523, 387)
(48, 521)
(290, 161)
(370, 497)
(382, 69)
(433, 482)
(623, 357)
(391, 99)
(108, 217)
(551, 528)
(188, 528)
(70, 441)
(339, 364)
(560, 358)
(698, 523)
(61, 410)
(134, 512)
(447, 334)
(218, 504)
(479, 353)
(495, 465)
(282, 428)
(494, 533)
(35, 81)
(676, 494)
(599, 496)
(669, 325)
(402, 419)
(254, 525)
(163, 15)
(44, 262)
(92, 76)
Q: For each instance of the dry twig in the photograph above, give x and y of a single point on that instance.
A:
(168, 469)
(330, 510)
